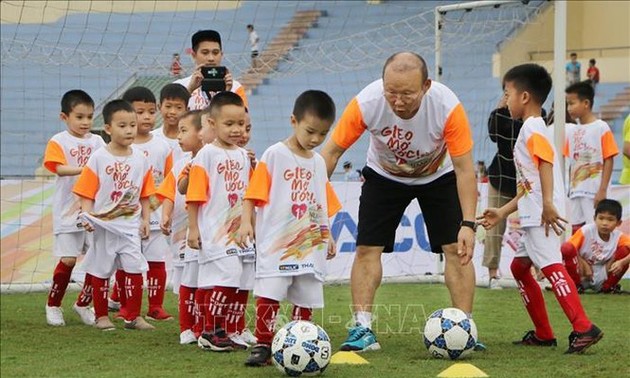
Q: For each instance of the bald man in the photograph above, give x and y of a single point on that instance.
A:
(420, 148)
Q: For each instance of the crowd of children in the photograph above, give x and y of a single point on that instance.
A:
(231, 223)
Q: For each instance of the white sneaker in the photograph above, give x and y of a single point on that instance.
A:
(86, 313)
(187, 337)
(113, 306)
(494, 284)
(249, 337)
(238, 342)
(54, 316)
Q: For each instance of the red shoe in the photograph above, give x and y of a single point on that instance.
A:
(159, 314)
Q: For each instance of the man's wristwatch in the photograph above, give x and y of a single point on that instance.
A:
(469, 224)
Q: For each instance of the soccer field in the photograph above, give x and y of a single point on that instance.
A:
(30, 348)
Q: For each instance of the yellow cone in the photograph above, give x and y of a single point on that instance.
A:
(460, 370)
(348, 358)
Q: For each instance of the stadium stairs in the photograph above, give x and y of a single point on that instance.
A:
(617, 106)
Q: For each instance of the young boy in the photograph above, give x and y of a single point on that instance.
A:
(114, 187)
(175, 223)
(294, 198)
(207, 51)
(540, 190)
(160, 157)
(590, 148)
(65, 156)
(173, 100)
(217, 181)
(597, 255)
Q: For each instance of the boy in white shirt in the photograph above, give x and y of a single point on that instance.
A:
(590, 148)
(114, 187)
(539, 196)
(290, 187)
(66, 154)
(173, 101)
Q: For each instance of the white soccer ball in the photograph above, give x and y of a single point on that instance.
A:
(450, 333)
(301, 347)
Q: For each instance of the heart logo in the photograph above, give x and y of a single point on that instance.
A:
(115, 196)
(232, 198)
(298, 210)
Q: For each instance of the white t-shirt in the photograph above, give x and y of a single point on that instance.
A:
(411, 151)
(217, 181)
(294, 200)
(586, 146)
(199, 100)
(253, 40)
(178, 153)
(533, 145)
(595, 250)
(66, 149)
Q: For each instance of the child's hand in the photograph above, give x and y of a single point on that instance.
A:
(600, 195)
(332, 248)
(228, 80)
(144, 229)
(252, 158)
(585, 269)
(616, 268)
(186, 170)
(550, 218)
(244, 235)
(490, 217)
(194, 240)
(165, 225)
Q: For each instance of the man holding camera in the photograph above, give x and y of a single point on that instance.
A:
(209, 77)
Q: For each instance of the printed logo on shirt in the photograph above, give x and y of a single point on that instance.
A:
(81, 153)
(289, 267)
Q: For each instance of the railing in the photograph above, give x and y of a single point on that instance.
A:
(600, 51)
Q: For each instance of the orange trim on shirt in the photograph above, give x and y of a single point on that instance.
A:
(54, 156)
(624, 240)
(332, 200)
(259, 185)
(241, 92)
(87, 184)
(539, 149)
(166, 190)
(457, 133)
(565, 149)
(577, 239)
(198, 185)
(350, 126)
(168, 163)
(609, 147)
(148, 185)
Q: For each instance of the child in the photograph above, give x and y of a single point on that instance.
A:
(540, 190)
(597, 255)
(175, 223)
(590, 148)
(207, 51)
(65, 156)
(173, 100)
(217, 181)
(160, 157)
(294, 198)
(592, 73)
(176, 66)
(114, 187)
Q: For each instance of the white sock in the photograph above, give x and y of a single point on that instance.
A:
(363, 318)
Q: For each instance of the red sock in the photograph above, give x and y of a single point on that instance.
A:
(567, 295)
(100, 292)
(570, 260)
(236, 312)
(613, 280)
(61, 278)
(221, 299)
(200, 311)
(133, 293)
(186, 307)
(532, 297)
(242, 297)
(266, 312)
(156, 284)
(85, 296)
(302, 313)
(118, 292)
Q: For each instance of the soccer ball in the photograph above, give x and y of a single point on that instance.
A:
(301, 347)
(450, 333)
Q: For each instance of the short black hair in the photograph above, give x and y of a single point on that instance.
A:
(424, 70)
(195, 117)
(142, 94)
(115, 106)
(609, 206)
(316, 103)
(531, 78)
(592, 61)
(174, 91)
(203, 36)
(222, 99)
(584, 91)
(573, 54)
(73, 98)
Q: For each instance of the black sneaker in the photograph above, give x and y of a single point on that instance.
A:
(613, 290)
(531, 339)
(216, 341)
(260, 356)
(578, 342)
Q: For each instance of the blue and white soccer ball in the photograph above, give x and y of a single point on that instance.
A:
(450, 333)
(301, 347)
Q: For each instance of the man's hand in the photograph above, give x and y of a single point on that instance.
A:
(195, 79)
(229, 82)
(465, 244)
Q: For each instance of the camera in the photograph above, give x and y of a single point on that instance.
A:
(213, 79)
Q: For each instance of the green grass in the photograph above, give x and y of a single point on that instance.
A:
(30, 348)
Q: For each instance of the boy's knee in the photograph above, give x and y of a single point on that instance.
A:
(520, 266)
(568, 250)
(68, 261)
(621, 252)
